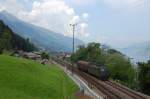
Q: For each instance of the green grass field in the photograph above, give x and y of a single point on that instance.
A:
(26, 79)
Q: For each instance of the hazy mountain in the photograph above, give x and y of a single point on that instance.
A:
(139, 52)
(41, 37)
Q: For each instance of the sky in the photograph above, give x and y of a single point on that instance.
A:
(118, 23)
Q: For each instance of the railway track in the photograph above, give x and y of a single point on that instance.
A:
(129, 92)
(110, 89)
(104, 90)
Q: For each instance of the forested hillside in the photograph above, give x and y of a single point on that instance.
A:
(11, 41)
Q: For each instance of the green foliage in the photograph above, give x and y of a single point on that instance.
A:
(79, 55)
(26, 79)
(5, 37)
(22, 44)
(10, 40)
(1, 51)
(144, 77)
(45, 55)
(113, 51)
(91, 53)
(121, 69)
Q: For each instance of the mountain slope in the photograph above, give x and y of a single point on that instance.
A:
(140, 52)
(41, 37)
(11, 41)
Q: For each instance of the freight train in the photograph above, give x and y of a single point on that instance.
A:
(100, 72)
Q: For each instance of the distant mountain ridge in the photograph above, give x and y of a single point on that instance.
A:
(43, 38)
(139, 52)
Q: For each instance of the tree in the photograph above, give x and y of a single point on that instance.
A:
(7, 37)
(45, 55)
(144, 77)
(1, 41)
(1, 47)
(121, 69)
(81, 54)
(92, 53)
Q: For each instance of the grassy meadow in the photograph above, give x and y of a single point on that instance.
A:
(27, 79)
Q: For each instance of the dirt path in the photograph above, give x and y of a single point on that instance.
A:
(82, 96)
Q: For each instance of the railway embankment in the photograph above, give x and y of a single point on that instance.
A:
(85, 88)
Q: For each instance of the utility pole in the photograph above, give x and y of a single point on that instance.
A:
(73, 30)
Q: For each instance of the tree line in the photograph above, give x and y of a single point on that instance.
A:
(11, 41)
(144, 77)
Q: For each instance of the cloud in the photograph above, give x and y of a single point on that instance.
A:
(55, 15)
(1, 8)
(12, 6)
(85, 16)
(117, 4)
(75, 19)
(83, 29)
(84, 2)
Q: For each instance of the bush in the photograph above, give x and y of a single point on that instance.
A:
(121, 69)
(45, 55)
(1, 51)
(144, 77)
(92, 53)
